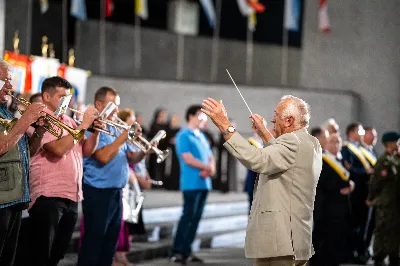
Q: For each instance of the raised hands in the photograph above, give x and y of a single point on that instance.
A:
(216, 112)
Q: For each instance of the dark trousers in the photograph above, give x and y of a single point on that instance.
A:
(359, 226)
(193, 206)
(329, 241)
(102, 212)
(10, 222)
(52, 225)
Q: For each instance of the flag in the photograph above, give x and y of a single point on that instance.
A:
(323, 16)
(209, 9)
(21, 71)
(44, 6)
(259, 8)
(249, 8)
(78, 79)
(252, 21)
(246, 7)
(109, 8)
(292, 15)
(78, 9)
(42, 68)
(141, 9)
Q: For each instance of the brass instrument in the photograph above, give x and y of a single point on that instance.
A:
(78, 121)
(7, 124)
(141, 142)
(55, 124)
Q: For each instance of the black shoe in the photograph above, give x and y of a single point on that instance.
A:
(193, 258)
(178, 258)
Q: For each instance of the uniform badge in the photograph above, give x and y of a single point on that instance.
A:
(384, 173)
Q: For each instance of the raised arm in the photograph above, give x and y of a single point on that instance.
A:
(278, 155)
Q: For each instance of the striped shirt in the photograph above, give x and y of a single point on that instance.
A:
(23, 148)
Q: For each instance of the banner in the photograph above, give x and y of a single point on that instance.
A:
(42, 68)
(21, 71)
(78, 79)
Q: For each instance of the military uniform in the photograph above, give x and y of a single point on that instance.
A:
(384, 193)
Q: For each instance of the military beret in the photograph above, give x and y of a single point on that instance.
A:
(390, 136)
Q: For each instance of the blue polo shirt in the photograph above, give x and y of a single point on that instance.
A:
(196, 143)
(115, 173)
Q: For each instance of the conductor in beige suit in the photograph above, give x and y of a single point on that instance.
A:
(281, 218)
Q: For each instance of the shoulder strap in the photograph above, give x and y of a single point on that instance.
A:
(359, 154)
(367, 154)
(335, 167)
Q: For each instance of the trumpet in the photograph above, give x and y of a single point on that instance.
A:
(93, 127)
(140, 141)
(8, 124)
(54, 124)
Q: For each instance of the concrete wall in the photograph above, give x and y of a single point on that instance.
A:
(361, 54)
(145, 96)
(159, 56)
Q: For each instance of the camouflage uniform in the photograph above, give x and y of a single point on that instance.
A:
(384, 193)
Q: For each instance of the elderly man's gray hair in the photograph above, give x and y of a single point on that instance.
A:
(298, 109)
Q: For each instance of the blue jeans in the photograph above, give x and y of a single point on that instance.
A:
(102, 215)
(193, 206)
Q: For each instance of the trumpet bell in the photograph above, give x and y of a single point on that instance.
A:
(8, 124)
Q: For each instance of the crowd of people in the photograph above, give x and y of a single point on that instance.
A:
(357, 197)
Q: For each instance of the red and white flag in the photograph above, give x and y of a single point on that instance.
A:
(323, 16)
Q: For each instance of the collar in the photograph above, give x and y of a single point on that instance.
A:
(356, 143)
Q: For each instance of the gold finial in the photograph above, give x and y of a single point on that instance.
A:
(52, 52)
(45, 46)
(71, 57)
(16, 42)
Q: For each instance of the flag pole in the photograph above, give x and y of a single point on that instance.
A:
(249, 52)
(138, 44)
(180, 50)
(285, 47)
(102, 37)
(64, 55)
(215, 43)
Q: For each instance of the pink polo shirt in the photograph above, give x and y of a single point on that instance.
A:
(53, 176)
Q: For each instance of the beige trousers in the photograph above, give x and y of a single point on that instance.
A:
(280, 261)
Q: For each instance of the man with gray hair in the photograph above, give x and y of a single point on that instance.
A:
(279, 230)
(14, 166)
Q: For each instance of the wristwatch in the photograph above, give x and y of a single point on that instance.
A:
(230, 129)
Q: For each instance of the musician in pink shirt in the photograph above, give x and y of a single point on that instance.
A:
(56, 179)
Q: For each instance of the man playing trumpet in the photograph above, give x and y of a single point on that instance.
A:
(56, 179)
(105, 175)
(14, 169)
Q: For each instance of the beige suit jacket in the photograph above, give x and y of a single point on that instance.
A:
(281, 217)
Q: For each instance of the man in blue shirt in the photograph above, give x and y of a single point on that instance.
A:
(105, 175)
(14, 167)
(197, 164)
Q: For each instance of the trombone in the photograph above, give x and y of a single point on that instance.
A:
(54, 124)
(140, 141)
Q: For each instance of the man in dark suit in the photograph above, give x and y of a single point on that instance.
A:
(360, 170)
(332, 207)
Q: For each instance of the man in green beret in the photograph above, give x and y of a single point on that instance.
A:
(384, 196)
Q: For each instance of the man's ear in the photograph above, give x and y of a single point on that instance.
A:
(46, 96)
(97, 105)
(290, 121)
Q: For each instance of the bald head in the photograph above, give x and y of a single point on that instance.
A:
(333, 143)
(291, 114)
